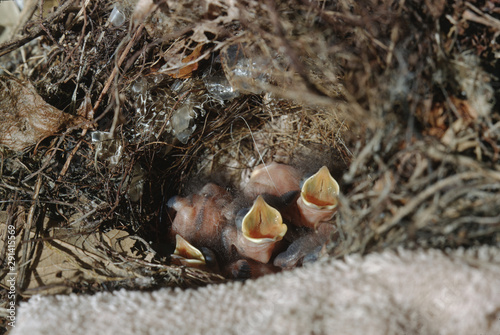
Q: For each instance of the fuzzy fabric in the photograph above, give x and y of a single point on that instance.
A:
(403, 292)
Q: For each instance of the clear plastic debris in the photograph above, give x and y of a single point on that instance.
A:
(151, 112)
(165, 114)
(117, 16)
(245, 73)
(219, 88)
(182, 122)
(140, 86)
(107, 148)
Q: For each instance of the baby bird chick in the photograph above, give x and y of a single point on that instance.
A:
(274, 179)
(186, 254)
(318, 199)
(307, 247)
(257, 232)
(318, 196)
(201, 217)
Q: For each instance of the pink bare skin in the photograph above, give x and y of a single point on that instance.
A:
(275, 179)
(201, 217)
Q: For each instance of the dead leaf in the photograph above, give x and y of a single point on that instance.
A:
(26, 117)
(186, 71)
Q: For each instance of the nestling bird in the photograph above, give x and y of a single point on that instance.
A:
(207, 219)
(318, 199)
(307, 247)
(201, 217)
(257, 232)
(318, 195)
(274, 179)
(186, 254)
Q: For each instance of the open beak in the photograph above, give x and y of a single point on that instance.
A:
(186, 254)
(318, 198)
(263, 222)
(261, 228)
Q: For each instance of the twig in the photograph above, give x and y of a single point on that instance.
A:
(480, 17)
(115, 69)
(27, 249)
(369, 148)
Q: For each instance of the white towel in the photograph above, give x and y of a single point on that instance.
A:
(403, 292)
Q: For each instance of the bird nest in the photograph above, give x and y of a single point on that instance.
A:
(126, 104)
